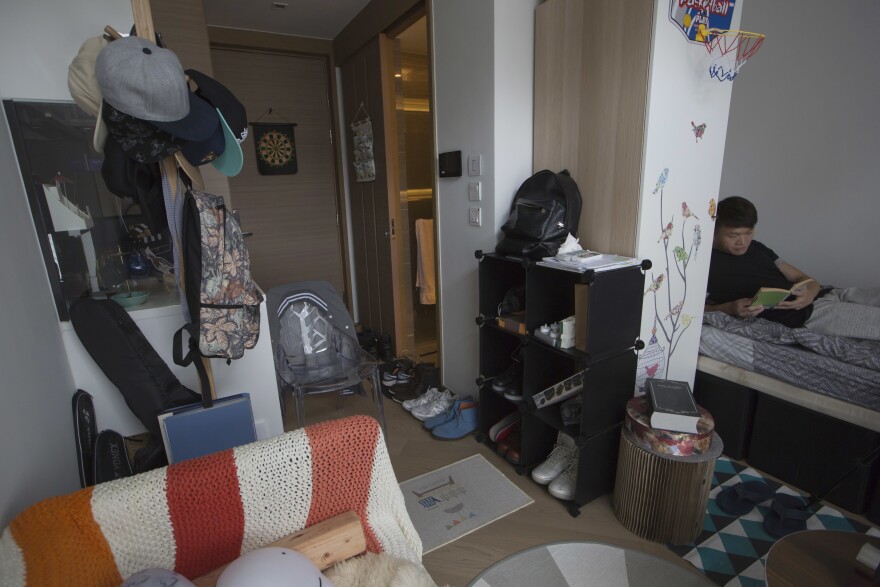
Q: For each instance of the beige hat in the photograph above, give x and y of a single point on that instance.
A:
(81, 80)
(84, 88)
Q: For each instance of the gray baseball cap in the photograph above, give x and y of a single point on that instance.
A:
(141, 79)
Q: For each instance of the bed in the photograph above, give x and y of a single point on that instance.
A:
(798, 405)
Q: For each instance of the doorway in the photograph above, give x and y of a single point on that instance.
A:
(415, 152)
(386, 110)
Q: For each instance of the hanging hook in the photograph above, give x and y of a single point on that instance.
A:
(361, 108)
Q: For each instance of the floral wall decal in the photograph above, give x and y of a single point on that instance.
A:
(681, 238)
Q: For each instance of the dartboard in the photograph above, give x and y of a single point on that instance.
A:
(275, 148)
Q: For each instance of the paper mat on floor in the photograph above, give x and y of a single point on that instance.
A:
(457, 499)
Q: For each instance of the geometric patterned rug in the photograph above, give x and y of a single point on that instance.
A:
(730, 550)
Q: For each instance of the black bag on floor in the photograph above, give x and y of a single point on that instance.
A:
(545, 209)
(131, 363)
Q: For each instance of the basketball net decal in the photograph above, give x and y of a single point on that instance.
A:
(708, 23)
(731, 50)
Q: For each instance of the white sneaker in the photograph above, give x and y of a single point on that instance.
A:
(554, 465)
(563, 486)
(429, 395)
(434, 407)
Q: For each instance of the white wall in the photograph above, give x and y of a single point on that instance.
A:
(41, 37)
(37, 41)
(680, 92)
(514, 100)
(483, 76)
(804, 137)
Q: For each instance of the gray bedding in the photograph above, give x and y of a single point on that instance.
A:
(844, 368)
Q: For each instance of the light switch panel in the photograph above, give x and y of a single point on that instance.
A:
(475, 165)
(474, 191)
(474, 217)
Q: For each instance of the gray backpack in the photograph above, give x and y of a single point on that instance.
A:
(316, 341)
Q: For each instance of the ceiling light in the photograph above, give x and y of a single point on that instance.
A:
(279, 5)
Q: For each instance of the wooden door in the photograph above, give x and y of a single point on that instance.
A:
(294, 218)
(374, 210)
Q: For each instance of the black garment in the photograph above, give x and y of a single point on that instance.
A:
(733, 277)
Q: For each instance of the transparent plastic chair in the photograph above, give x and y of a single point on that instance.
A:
(316, 349)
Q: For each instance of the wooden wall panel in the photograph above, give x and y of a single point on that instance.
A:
(185, 31)
(294, 218)
(370, 210)
(247, 40)
(591, 84)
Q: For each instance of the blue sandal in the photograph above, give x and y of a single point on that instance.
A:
(788, 514)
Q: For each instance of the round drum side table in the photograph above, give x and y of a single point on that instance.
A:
(660, 497)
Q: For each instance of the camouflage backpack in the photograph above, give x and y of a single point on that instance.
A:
(223, 301)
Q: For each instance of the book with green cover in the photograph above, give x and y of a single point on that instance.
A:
(769, 297)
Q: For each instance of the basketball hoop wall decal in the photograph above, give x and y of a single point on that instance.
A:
(694, 18)
(731, 49)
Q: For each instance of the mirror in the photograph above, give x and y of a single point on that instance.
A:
(94, 243)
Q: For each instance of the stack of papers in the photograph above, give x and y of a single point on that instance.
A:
(581, 261)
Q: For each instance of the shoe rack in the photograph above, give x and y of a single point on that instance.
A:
(608, 361)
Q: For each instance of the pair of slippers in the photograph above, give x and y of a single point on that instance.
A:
(788, 513)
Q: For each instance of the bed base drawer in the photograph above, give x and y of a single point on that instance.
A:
(732, 406)
(811, 451)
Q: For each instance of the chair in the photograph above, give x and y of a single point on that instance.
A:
(316, 348)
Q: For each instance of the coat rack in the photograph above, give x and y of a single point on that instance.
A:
(143, 23)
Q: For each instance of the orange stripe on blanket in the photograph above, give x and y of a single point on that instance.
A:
(206, 513)
(342, 464)
(63, 545)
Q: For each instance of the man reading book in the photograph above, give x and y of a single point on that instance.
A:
(740, 266)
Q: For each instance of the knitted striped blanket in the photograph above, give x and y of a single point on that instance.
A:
(197, 515)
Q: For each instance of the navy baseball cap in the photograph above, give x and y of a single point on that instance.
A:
(207, 150)
(198, 125)
(233, 120)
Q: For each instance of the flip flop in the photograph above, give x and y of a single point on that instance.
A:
(787, 514)
(741, 498)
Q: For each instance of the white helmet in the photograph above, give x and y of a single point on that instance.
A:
(273, 567)
(157, 578)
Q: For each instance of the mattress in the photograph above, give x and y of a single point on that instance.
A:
(791, 372)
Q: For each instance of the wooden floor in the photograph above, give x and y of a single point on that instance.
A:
(413, 452)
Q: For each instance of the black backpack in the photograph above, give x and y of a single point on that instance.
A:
(545, 209)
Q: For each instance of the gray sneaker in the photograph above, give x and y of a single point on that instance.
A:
(554, 465)
(563, 486)
(435, 407)
(423, 399)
